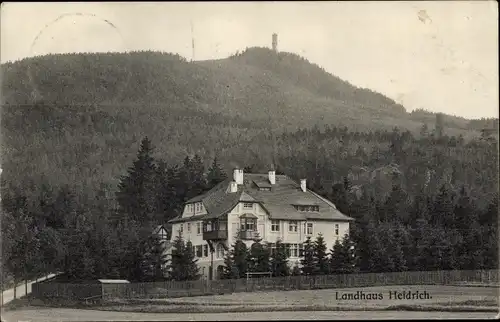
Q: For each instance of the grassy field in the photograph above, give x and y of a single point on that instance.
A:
(439, 295)
(442, 298)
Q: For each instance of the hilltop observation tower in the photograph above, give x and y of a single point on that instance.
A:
(275, 42)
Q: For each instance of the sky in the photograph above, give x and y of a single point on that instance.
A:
(439, 56)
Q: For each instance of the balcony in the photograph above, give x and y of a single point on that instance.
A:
(215, 234)
(249, 234)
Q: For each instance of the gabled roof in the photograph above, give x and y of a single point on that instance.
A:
(278, 203)
(158, 228)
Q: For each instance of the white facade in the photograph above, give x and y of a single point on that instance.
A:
(259, 207)
(289, 232)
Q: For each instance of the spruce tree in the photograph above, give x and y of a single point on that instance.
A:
(199, 185)
(240, 256)
(378, 259)
(279, 260)
(258, 258)
(154, 259)
(215, 174)
(464, 211)
(342, 257)
(394, 250)
(191, 266)
(136, 194)
(320, 256)
(183, 265)
(230, 271)
(308, 265)
(348, 248)
(443, 209)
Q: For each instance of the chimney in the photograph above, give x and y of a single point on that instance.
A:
(233, 187)
(303, 185)
(238, 176)
(275, 43)
(272, 177)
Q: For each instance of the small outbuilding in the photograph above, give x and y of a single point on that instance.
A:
(88, 291)
(111, 288)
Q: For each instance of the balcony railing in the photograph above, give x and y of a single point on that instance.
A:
(215, 234)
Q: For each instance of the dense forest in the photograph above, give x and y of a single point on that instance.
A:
(72, 125)
(434, 207)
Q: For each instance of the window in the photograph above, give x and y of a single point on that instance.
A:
(199, 252)
(248, 205)
(198, 206)
(205, 250)
(309, 228)
(163, 234)
(336, 229)
(292, 226)
(220, 251)
(181, 229)
(294, 250)
(275, 225)
(311, 208)
(189, 227)
(265, 189)
(248, 224)
(198, 228)
(301, 250)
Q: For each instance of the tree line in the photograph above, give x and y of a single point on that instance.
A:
(412, 224)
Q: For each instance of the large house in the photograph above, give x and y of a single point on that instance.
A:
(263, 207)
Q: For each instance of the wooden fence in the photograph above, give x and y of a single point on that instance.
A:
(202, 287)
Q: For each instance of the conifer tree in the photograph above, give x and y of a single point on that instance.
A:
(394, 250)
(258, 258)
(348, 248)
(154, 259)
(308, 265)
(192, 269)
(443, 209)
(230, 271)
(183, 265)
(215, 174)
(378, 260)
(239, 257)
(464, 211)
(342, 259)
(279, 260)
(136, 194)
(320, 256)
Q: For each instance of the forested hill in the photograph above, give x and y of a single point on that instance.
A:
(257, 85)
(78, 118)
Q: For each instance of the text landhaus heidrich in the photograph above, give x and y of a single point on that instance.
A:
(392, 295)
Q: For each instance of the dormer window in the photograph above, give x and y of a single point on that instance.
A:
(307, 208)
(264, 189)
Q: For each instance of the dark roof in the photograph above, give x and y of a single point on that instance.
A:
(279, 202)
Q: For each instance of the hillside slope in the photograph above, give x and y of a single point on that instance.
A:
(81, 116)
